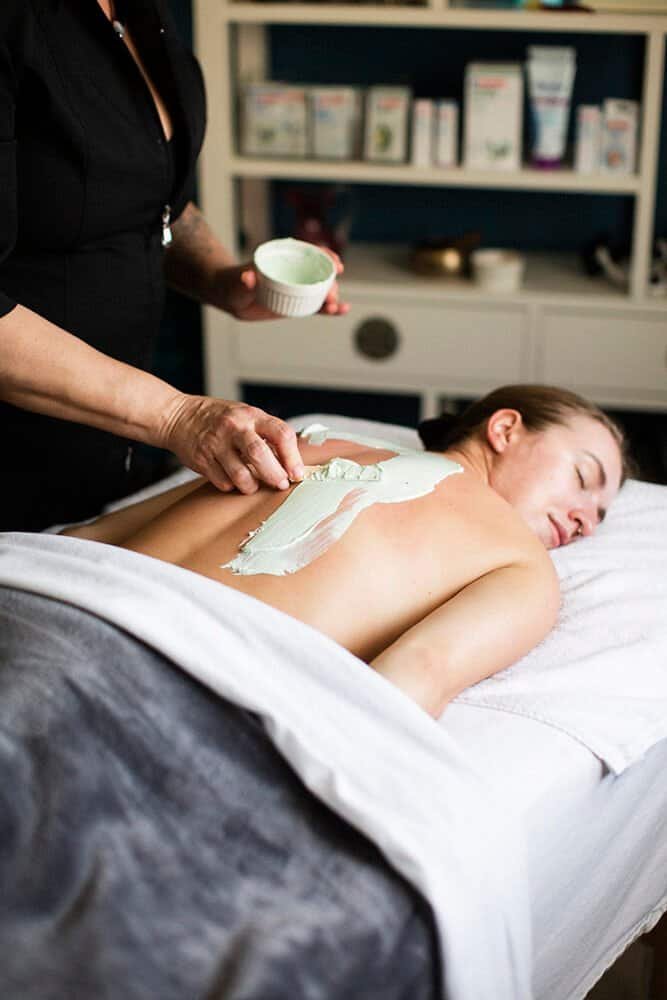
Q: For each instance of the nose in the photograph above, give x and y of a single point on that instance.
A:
(583, 521)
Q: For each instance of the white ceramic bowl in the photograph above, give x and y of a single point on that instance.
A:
(498, 270)
(294, 276)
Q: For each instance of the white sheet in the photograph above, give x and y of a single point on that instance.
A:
(597, 843)
(361, 746)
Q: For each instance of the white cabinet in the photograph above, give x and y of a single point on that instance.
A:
(612, 356)
(448, 338)
(393, 343)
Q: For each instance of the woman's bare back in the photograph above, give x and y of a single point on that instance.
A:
(394, 565)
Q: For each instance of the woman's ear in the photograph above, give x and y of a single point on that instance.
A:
(503, 428)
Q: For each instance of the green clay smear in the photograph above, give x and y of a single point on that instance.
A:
(321, 508)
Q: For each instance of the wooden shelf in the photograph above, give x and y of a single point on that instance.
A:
(562, 180)
(415, 16)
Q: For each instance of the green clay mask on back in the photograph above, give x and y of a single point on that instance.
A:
(321, 508)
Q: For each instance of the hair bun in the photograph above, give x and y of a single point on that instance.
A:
(434, 432)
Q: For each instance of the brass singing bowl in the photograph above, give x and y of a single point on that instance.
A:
(439, 261)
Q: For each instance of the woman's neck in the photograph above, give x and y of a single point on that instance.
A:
(472, 455)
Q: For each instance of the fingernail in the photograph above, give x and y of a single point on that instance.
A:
(297, 472)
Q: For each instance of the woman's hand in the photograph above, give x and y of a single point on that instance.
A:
(238, 287)
(233, 445)
(198, 265)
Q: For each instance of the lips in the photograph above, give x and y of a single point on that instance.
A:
(558, 532)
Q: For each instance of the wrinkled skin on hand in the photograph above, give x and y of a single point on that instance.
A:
(235, 446)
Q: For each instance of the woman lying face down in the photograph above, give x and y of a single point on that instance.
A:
(432, 567)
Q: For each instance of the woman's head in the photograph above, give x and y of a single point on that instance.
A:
(557, 458)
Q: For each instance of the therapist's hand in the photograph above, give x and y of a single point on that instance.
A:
(233, 445)
(198, 265)
(239, 293)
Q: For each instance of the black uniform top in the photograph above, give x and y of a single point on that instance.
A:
(85, 175)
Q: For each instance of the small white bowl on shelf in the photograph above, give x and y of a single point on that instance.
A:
(497, 270)
(294, 276)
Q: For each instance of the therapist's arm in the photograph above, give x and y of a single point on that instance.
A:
(48, 370)
(198, 265)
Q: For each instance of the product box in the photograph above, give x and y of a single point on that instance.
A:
(447, 133)
(386, 133)
(587, 143)
(335, 122)
(618, 144)
(422, 133)
(274, 120)
(493, 116)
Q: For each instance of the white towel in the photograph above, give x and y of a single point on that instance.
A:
(355, 740)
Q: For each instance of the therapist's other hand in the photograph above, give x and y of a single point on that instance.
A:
(233, 445)
(240, 293)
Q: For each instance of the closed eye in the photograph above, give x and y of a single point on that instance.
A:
(581, 478)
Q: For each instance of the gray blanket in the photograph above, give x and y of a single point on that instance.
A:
(154, 844)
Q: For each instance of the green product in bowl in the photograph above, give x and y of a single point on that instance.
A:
(294, 276)
(293, 262)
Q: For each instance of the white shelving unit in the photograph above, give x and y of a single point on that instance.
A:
(378, 173)
(449, 338)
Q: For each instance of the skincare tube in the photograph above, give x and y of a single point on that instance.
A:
(550, 71)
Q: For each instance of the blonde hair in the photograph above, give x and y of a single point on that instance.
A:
(539, 405)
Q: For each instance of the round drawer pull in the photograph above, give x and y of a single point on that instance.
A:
(376, 338)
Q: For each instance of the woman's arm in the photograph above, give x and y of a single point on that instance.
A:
(46, 369)
(198, 265)
(487, 626)
(196, 261)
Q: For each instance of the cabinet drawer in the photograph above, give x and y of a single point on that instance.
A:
(413, 341)
(625, 351)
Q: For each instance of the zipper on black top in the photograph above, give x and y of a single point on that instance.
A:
(166, 234)
(166, 228)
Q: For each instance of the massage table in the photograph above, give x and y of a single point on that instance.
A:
(562, 866)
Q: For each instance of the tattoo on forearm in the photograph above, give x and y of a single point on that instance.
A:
(196, 256)
(193, 231)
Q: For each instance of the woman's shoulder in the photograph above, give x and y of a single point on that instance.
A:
(487, 520)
